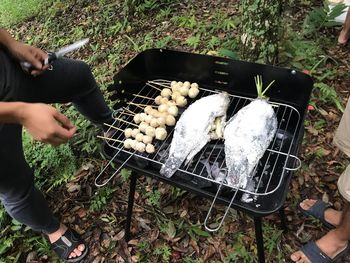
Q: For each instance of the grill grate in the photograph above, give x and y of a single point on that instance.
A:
(268, 174)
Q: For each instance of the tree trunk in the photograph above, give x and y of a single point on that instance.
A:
(259, 30)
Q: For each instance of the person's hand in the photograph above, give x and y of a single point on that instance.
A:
(33, 55)
(46, 124)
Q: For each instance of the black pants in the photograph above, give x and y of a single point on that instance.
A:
(69, 81)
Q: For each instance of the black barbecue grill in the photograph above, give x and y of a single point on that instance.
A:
(139, 82)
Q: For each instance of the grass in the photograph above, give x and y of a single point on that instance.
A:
(15, 11)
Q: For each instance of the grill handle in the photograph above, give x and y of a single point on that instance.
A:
(108, 164)
(298, 163)
(211, 207)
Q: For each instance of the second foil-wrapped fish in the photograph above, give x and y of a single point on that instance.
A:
(247, 136)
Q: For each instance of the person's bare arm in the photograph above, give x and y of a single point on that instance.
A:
(23, 52)
(6, 39)
(42, 121)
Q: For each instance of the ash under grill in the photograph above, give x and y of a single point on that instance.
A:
(207, 169)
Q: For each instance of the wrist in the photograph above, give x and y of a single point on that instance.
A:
(19, 112)
(12, 112)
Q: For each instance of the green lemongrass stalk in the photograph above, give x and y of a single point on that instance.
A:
(259, 86)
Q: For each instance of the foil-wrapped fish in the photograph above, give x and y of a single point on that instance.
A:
(192, 131)
(247, 136)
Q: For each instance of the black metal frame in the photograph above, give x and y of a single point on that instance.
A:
(236, 77)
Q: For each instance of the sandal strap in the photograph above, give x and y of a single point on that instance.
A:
(319, 208)
(66, 244)
(318, 211)
(315, 254)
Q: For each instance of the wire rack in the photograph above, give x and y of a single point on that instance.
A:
(267, 175)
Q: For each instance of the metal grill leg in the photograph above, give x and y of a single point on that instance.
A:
(259, 239)
(132, 188)
(283, 219)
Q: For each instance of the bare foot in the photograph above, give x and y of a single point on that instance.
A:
(56, 235)
(331, 215)
(343, 37)
(328, 244)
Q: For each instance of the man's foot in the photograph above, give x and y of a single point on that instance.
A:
(343, 37)
(331, 215)
(56, 235)
(329, 244)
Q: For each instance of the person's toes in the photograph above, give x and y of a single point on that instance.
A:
(307, 204)
(296, 256)
(304, 259)
(77, 252)
(343, 37)
(73, 255)
(81, 247)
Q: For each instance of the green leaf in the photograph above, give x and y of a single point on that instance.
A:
(171, 230)
(228, 53)
(200, 232)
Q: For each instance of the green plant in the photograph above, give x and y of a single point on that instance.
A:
(239, 252)
(164, 13)
(191, 260)
(222, 22)
(168, 228)
(143, 245)
(15, 11)
(42, 245)
(193, 41)
(153, 198)
(3, 216)
(101, 198)
(141, 6)
(320, 124)
(193, 230)
(164, 251)
(326, 93)
(52, 165)
(125, 174)
(214, 42)
(271, 238)
(321, 17)
(300, 53)
(189, 22)
(163, 42)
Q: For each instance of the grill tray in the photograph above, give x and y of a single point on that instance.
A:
(289, 96)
